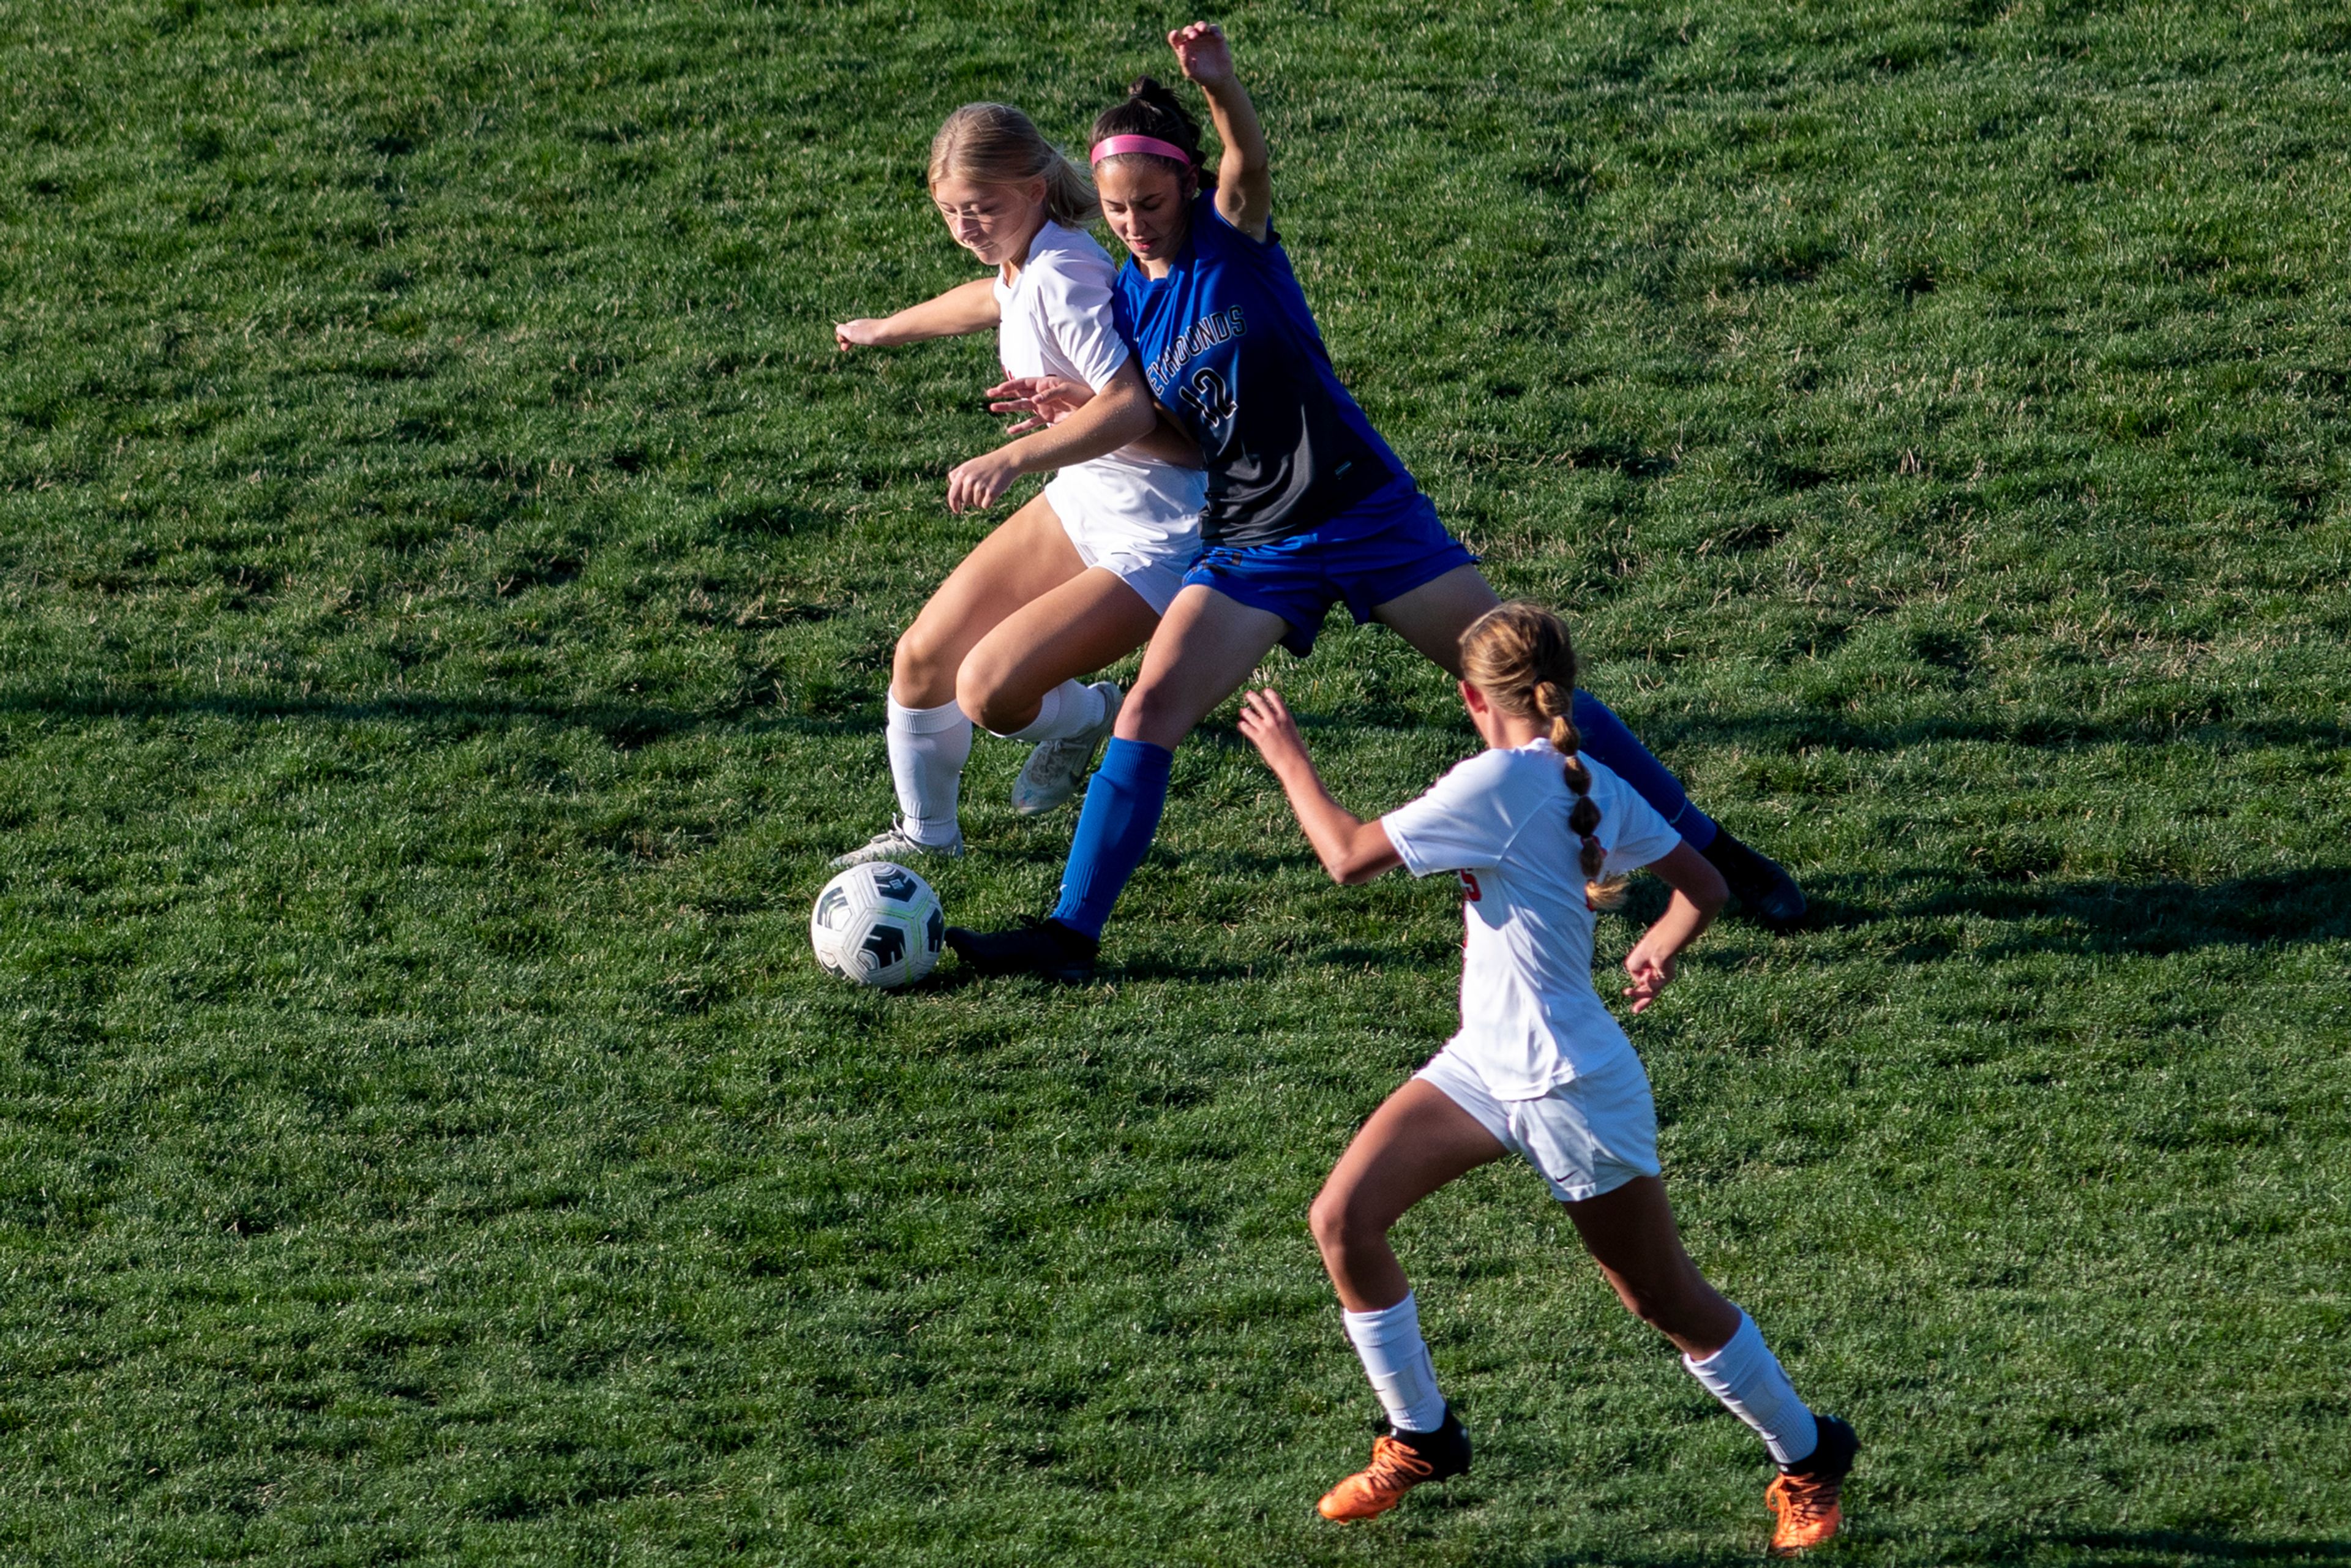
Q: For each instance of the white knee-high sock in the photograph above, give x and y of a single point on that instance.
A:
(1068, 709)
(928, 747)
(1745, 1376)
(1397, 1359)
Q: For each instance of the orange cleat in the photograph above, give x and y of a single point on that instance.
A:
(1398, 1465)
(1808, 1497)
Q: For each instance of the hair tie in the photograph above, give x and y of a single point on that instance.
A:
(1111, 146)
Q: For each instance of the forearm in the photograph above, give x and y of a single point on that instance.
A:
(1682, 924)
(1117, 416)
(1350, 849)
(1170, 443)
(968, 308)
(1246, 157)
(1328, 827)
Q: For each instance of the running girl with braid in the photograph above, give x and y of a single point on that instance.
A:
(1307, 505)
(1537, 832)
(1077, 578)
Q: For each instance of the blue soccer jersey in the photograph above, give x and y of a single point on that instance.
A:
(1230, 349)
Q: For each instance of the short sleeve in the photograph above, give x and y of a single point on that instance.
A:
(1076, 302)
(1463, 823)
(1236, 239)
(1631, 834)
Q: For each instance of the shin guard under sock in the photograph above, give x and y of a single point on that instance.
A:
(928, 747)
(1745, 1376)
(1121, 812)
(1396, 1358)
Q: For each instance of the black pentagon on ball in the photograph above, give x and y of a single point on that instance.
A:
(897, 886)
(887, 943)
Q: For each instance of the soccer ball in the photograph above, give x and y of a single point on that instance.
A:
(878, 925)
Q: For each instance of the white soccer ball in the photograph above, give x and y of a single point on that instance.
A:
(878, 925)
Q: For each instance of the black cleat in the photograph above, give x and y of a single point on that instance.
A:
(1762, 885)
(1046, 948)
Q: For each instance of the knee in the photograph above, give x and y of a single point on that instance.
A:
(920, 663)
(1339, 1223)
(1154, 713)
(984, 689)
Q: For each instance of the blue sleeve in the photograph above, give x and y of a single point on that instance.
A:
(1218, 233)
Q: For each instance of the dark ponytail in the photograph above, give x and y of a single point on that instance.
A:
(1153, 109)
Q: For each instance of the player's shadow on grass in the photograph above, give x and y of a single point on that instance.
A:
(2165, 1549)
(2052, 916)
(625, 727)
(2082, 1548)
(1790, 732)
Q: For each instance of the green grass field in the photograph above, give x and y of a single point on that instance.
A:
(449, 586)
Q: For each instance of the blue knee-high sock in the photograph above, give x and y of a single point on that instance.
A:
(1121, 812)
(1622, 753)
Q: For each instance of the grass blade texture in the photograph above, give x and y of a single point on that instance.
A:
(449, 582)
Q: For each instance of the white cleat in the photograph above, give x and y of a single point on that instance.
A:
(1056, 769)
(897, 844)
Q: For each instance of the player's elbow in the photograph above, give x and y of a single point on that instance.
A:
(1128, 413)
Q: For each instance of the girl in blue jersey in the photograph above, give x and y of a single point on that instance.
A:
(1307, 507)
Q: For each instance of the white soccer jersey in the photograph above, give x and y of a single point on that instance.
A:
(1531, 1018)
(1055, 320)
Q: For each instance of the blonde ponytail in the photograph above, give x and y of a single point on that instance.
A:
(1518, 654)
(996, 144)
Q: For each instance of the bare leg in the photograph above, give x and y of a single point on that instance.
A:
(1028, 556)
(1093, 620)
(1206, 647)
(1433, 616)
(1415, 1143)
(1630, 1233)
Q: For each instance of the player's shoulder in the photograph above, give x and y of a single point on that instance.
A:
(1489, 769)
(1502, 784)
(1213, 230)
(1064, 254)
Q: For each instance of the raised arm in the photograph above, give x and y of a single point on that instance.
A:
(1245, 174)
(966, 308)
(1350, 849)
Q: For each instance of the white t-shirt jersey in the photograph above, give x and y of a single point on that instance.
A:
(1056, 321)
(1531, 1020)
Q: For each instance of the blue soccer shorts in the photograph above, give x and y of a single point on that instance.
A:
(1377, 550)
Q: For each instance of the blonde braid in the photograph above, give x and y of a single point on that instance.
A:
(1518, 654)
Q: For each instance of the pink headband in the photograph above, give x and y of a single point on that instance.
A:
(1111, 146)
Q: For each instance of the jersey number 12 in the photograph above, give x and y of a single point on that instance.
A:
(1210, 399)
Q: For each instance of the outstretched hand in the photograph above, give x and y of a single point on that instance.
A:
(1266, 724)
(1201, 52)
(1651, 973)
(864, 332)
(1046, 399)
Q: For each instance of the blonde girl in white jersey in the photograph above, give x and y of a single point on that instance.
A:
(1077, 578)
(1540, 1068)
